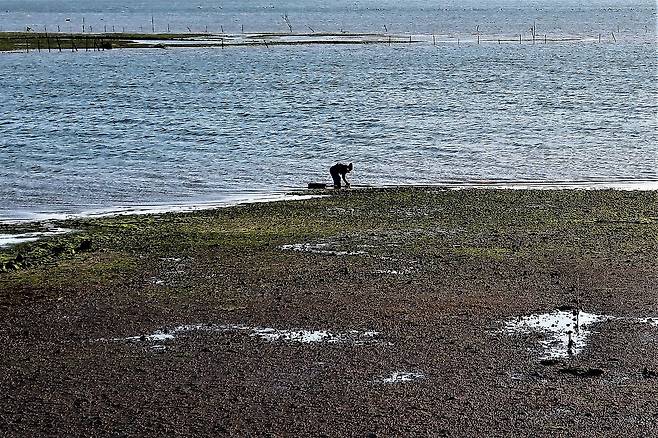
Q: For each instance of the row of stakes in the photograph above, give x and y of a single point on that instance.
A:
(98, 44)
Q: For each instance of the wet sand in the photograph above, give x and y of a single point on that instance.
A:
(365, 313)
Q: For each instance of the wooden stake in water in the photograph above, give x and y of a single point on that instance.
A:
(83, 24)
(434, 40)
(613, 37)
(152, 25)
(599, 37)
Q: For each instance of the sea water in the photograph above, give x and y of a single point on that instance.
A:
(101, 130)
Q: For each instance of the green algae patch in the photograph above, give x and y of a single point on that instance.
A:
(79, 276)
(489, 253)
(192, 254)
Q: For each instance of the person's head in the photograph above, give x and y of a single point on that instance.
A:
(349, 167)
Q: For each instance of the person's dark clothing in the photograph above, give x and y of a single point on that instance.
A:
(337, 171)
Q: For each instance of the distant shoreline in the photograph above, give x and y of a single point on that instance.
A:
(65, 41)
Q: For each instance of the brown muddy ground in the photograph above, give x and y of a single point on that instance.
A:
(435, 273)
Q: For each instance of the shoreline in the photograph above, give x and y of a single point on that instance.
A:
(12, 41)
(238, 198)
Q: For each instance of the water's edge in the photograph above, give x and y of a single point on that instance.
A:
(17, 218)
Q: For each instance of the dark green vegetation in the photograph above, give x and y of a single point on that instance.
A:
(42, 41)
(497, 225)
(434, 272)
(53, 42)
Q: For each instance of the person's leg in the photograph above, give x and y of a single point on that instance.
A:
(336, 177)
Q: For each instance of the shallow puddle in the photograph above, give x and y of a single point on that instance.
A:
(566, 332)
(269, 334)
(652, 321)
(14, 239)
(401, 377)
(392, 272)
(308, 336)
(318, 248)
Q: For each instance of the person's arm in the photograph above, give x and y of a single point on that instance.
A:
(347, 183)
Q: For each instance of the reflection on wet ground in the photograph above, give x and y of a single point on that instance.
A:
(270, 334)
(14, 239)
(566, 332)
(401, 377)
(319, 248)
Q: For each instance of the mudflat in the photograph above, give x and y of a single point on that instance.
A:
(381, 312)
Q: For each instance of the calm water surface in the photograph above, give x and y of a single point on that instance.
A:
(92, 130)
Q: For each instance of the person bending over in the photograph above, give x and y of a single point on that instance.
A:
(340, 170)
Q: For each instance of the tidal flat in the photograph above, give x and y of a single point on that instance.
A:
(366, 312)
